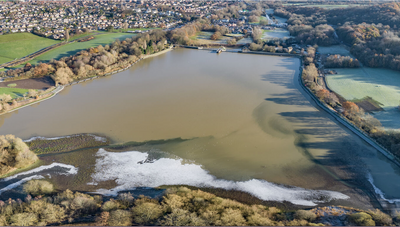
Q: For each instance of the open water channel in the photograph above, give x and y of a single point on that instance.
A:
(244, 122)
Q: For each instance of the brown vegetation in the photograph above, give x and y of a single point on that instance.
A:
(38, 187)
(321, 35)
(337, 61)
(178, 207)
(14, 154)
(95, 61)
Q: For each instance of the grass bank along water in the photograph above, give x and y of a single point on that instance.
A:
(240, 117)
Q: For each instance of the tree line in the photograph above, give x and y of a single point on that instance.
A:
(337, 61)
(179, 206)
(384, 13)
(95, 61)
(321, 35)
(372, 31)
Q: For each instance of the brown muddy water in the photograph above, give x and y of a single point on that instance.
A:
(241, 117)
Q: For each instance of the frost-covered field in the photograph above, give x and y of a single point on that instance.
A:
(280, 33)
(336, 49)
(383, 85)
(204, 38)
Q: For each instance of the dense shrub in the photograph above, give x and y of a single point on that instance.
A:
(38, 187)
(361, 219)
(120, 218)
(180, 217)
(146, 213)
(305, 215)
(83, 204)
(14, 154)
(110, 205)
(381, 218)
(179, 207)
(232, 217)
(23, 219)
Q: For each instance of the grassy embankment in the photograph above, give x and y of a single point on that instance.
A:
(18, 45)
(380, 86)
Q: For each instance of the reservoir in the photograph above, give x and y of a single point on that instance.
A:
(238, 116)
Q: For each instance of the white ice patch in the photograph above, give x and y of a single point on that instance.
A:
(379, 192)
(97, 138)
(130, 170)
(18, 183)
(45, 138)
(70, 170)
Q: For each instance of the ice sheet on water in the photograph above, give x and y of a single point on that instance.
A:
(97, 138)
(70, 170)
(379, 192)
(16, 180)
(45, 138)
(18, 183)
(130, 170)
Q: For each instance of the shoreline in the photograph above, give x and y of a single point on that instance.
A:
(357, 197)
(59, 88)
(55, 92)
(159, 53)
(342, 121)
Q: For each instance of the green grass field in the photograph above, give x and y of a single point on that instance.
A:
(73, 48)
(383, 85)
(14, 92)
(18, 45)
(81, 35)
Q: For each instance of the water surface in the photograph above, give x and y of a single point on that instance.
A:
(240, 117)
